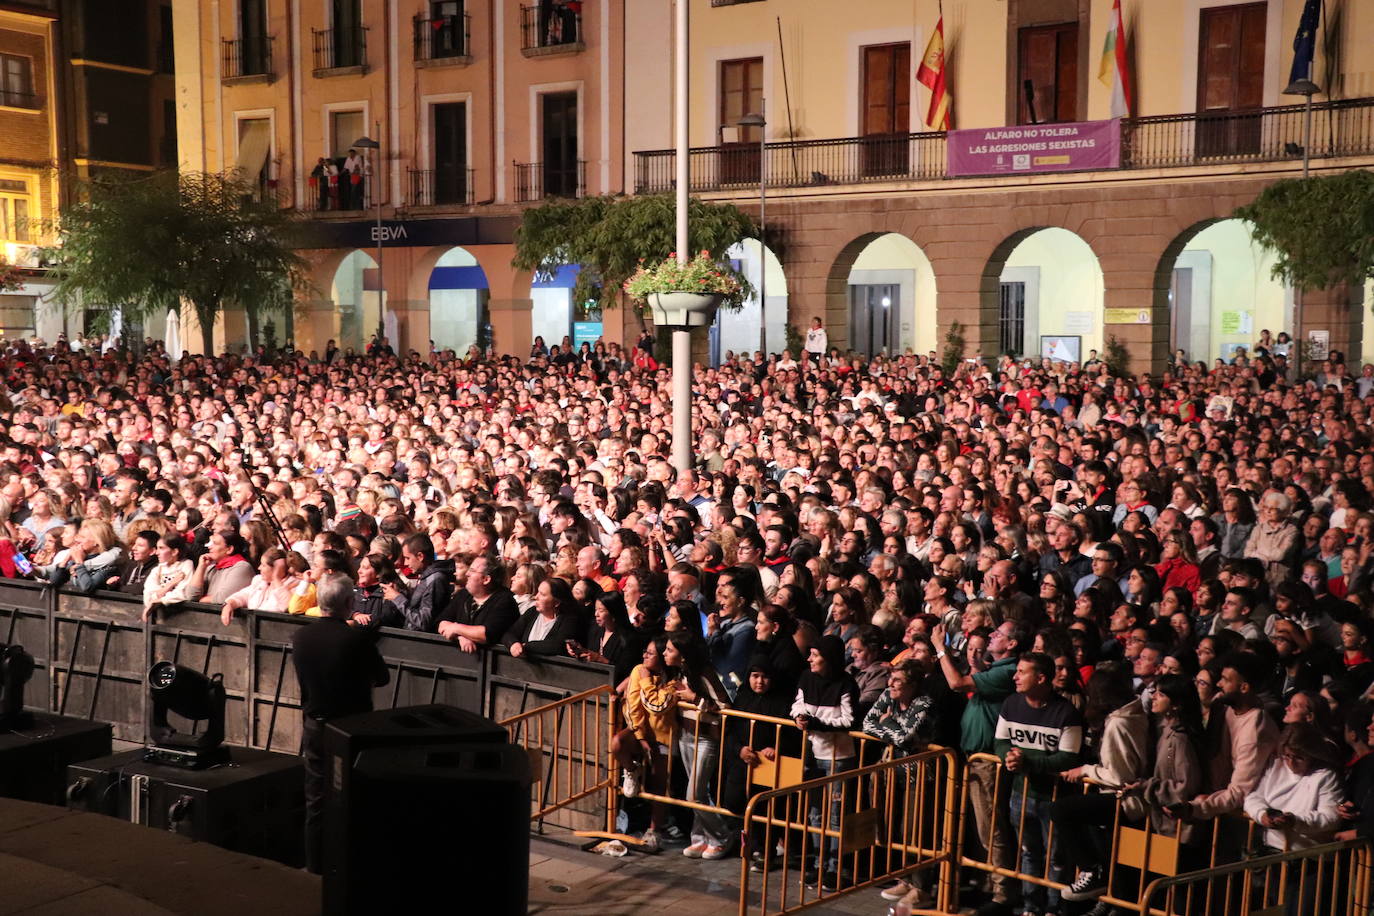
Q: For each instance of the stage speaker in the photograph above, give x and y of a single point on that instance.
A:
(420, 801)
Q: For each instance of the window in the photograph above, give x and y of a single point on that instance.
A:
(1047, 85)
(450, 153)
(16, 82)
(14, 211)
(561, 168)
(1230, 85)
(741, 93)
(886, 108)
(344, 128)
(1013, 318)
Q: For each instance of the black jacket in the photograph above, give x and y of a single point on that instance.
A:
(497, 614)
(133, 576)
(555, 643)
(337, 667)
(420, 609)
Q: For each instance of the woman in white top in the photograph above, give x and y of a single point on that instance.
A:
(1298, 798)
(168, 581)
(270, 589)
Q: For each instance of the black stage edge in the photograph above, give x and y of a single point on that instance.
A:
(254, 804)
(34, 760)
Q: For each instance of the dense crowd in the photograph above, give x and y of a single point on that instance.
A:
(1156, 584)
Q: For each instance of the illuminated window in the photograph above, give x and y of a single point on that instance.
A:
(14, 211)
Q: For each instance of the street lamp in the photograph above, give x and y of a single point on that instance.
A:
(1305, 88)
(369, 144)
(758, 120)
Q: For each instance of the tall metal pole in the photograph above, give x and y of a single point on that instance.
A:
(381, 283)
(763, 228)
(682, 338)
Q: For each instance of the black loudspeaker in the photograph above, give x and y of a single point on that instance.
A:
(421, 800)
(33, 762)
(254, 804)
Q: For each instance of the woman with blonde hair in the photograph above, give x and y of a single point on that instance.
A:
(92, 559)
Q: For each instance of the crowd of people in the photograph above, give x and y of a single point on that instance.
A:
(1158, 585)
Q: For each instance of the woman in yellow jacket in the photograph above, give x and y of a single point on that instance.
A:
(651, 709)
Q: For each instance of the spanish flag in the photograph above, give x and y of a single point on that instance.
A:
(932, 75)
(1112, 70)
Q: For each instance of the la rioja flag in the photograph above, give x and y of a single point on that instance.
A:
(931, 74)
(1112, 71)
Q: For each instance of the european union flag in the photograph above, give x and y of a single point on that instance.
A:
(1305, 42)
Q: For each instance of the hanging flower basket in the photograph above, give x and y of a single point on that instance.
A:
(683, 309)
(688, 295)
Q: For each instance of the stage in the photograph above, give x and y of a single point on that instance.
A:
(55, 861)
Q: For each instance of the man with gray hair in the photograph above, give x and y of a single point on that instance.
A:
(337, 666)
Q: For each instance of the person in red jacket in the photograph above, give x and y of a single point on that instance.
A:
(1179, 568)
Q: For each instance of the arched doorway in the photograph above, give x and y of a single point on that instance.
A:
(552, 310)
(1047, 296)
(457, 301)
(357, 300)
(738, 331)
(1220, 291)
(891, 298)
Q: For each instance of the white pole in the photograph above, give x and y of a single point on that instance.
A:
(763, 229)
(682, 338)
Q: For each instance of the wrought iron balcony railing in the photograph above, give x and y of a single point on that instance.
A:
(1340, 128)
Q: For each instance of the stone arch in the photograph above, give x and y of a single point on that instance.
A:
(739, 331)
(1222, 301)
(1052, 298)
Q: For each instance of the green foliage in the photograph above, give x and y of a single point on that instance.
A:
(1321, 229)
(954, 348)
(796, 340)
(145, 245)
(702, 274)
(611, 236)
(1116, 356)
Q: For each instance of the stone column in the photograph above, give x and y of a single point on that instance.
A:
(1338, 312)
(317, 326)
(511, 327)
(412, 325)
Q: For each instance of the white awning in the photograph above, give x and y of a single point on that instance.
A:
(254, 144)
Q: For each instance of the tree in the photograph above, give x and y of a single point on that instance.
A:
(610, 236)
(146, 245)
(1321, 229)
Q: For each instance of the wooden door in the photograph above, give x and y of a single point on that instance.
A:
(1047, 63)
(1230, 80)
(886, 109)
(741, 93)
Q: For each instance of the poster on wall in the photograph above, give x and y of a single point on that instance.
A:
(588, 332)
(1061, 348)
(1318, 344)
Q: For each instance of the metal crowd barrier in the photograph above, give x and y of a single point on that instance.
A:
(92, 654)
(569, 744)
(854, 830)
(787, 769)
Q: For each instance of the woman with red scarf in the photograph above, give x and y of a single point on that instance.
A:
(1178, 568)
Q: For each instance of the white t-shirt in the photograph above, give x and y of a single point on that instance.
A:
(816, 340)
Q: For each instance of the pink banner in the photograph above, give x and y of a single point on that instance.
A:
(1032, 148)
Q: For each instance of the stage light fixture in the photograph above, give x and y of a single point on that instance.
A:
(191, 695)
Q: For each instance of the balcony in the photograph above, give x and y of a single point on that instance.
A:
(430, 187)
(546, 30)
(445, 41)
(539, 180)
(14, 98)
(1341, 128)
(247, 60)
(340, 51)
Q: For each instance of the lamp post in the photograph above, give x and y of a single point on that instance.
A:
(368, 143)
(1305, 88)
(760, 121)
(682, 338)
